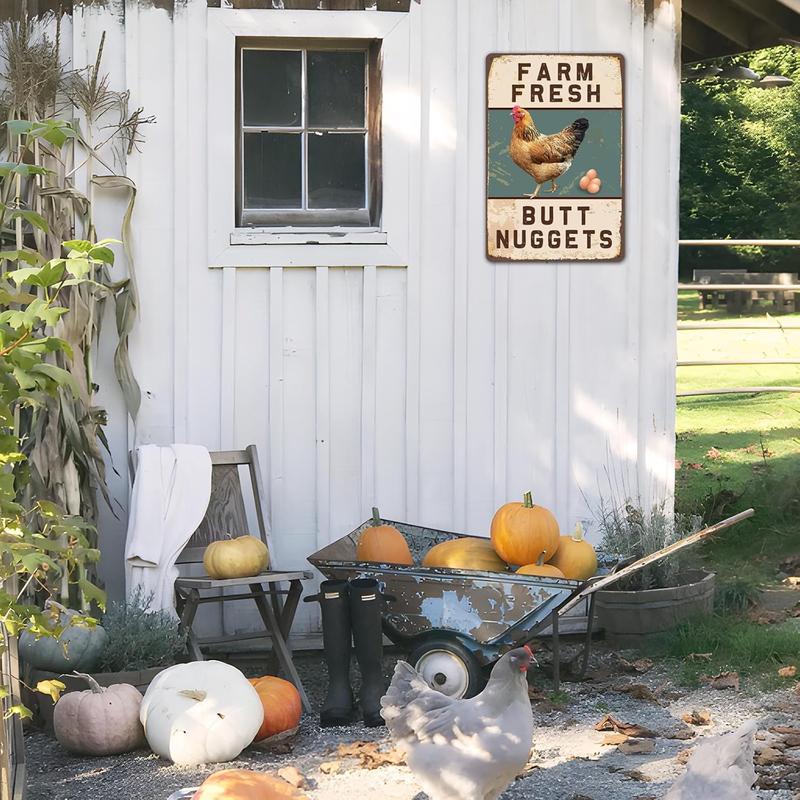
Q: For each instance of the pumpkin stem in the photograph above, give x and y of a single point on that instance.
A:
(376, 516)
(540, 562)
(527, 500)
(93, 684)
(578, 532)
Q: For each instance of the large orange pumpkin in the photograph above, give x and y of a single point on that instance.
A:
(243, 784)
(522, 532)
(465, 553)
(282, 706)
(383, 543)
(575, 557)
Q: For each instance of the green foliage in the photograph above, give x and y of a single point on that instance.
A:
(736, 595)
(740, 165)
(139, 638)
(733, 644)
(41, 548)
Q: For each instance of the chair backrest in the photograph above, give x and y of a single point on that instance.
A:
(226, 514)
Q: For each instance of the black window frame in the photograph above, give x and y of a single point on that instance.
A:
(367, 217)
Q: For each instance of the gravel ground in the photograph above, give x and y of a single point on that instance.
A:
(568, 762)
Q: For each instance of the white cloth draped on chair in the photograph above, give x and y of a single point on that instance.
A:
(169, 499)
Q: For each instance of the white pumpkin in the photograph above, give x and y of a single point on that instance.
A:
(99, 721)
(201, 712)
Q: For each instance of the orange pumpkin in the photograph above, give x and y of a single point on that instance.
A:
(575, 557)
(282, 706)
(541, 569)
(243, 784)
(383, 543)
(522, 532)
(465, 553)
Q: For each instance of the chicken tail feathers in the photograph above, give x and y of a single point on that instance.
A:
(411, 709)
(579, 128)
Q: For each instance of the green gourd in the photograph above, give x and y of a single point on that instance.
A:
(78, 647)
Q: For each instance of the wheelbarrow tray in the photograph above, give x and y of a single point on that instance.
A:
(488, 610)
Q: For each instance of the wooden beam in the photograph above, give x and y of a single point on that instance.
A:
(722, 17)
(779, 18)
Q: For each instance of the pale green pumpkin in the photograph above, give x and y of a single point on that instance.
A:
(79, 647)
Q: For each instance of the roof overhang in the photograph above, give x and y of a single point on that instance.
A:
(714, 28)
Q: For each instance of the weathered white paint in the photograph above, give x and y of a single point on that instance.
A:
(411, 374)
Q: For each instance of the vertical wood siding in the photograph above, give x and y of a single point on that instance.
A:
(435, 391)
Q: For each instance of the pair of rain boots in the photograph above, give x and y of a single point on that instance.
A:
(352, 610)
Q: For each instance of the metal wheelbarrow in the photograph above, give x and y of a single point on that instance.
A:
(456, 623)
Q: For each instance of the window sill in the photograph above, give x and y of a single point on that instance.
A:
(263, 236)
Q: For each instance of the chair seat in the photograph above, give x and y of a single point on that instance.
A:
(271, 576)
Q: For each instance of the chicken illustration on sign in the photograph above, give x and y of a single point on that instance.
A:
(554, 157)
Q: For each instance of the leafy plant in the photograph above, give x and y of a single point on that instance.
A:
(630, 529)
(140, 638)
(63, 132)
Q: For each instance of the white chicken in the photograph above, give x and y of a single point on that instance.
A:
(467, 749)
(721, 768)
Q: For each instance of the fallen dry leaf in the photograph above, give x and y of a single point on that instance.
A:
(695, 465)
(792, 580)
(787, 672)
(636, 775)
(678, 463)
(610, 723)
(697, 718)
(614, 738)
(785, 730)
(330, 767)
(639, 665)
(369, 755)
(713, 454)
(682, 733)
(293, 776)
(763, 616)
(638, 691)
(684, 756)
(699, 656)
(767, 756)
(635, 747)
(791, 741)
(725, 680)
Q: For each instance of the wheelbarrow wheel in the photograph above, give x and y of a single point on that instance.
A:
(449, 667)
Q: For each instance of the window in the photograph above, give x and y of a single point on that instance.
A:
(308, 123)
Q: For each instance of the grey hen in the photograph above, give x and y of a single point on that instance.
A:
(721, 768)
(463, 749)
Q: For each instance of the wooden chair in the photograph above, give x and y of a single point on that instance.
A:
(226, 515)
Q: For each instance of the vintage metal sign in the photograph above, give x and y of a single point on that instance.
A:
(554, 178)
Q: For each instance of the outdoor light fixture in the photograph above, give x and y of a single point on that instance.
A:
(773, 82)
(706, 71)
(739, 72)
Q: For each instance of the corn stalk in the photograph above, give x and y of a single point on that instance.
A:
(64, 437)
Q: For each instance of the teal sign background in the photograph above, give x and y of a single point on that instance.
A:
(601, 149)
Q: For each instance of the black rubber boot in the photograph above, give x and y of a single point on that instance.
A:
(366, 604)
(338, 708)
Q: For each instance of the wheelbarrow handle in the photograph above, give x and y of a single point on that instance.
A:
(600, 582)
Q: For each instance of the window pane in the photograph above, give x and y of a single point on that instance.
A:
(271, 92)
(272, 170)
(335, 89)
(336, 170)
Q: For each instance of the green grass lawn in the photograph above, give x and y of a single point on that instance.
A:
(740, 450)
(733, 452)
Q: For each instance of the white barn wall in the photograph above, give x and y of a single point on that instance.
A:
(439, 389)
